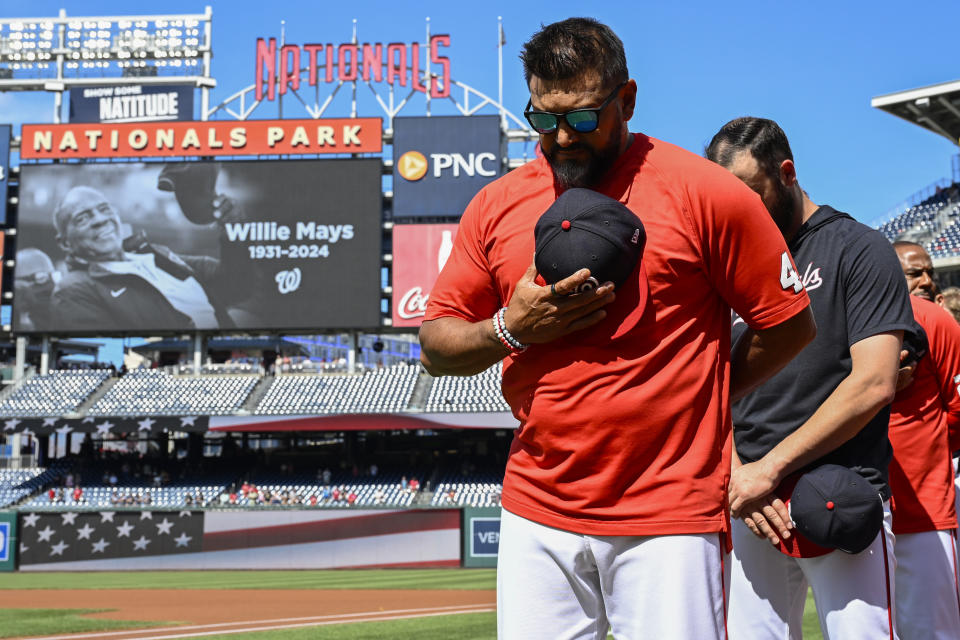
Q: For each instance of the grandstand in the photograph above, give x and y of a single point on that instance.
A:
(149, 392)
(382, 390)
(474, 393)
(52, 394)
(15, 485)
(154, 392)
(88, 429)
(931, 222)
(470, 491)
(930, 216)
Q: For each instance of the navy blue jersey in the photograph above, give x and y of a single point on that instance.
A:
(857, 290)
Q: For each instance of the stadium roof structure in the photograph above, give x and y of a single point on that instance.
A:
(280, 345)
(66, 347)
(935, 108)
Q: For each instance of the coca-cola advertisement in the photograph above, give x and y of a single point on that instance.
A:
(419, 253)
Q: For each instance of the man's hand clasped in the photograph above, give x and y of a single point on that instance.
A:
(752, 499)
(542, 314)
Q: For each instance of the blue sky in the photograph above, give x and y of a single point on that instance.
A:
(812, 66)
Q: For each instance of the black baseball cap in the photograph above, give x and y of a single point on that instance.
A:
(194, 184)
(836, 507)
(586, 229)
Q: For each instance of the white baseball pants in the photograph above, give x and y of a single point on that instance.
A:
(928, 599)
(557, 585)
(853, 592)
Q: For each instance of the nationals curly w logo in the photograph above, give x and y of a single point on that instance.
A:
(288, 280)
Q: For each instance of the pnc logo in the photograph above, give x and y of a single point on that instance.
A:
(412, 166)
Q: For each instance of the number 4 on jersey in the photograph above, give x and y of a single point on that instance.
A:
(788, 275)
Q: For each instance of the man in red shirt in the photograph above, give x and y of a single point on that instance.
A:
(615, 489)
(924, 418)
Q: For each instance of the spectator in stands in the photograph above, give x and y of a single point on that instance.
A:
(414, 485)
(951, 301)
(327, 493)
(33, 285)
(918, 269)
(378, 496)
(403, 483)
(313, 500)
(77, 494)
(351, 498)
(112, 283)
(326, 476)
(52, 494)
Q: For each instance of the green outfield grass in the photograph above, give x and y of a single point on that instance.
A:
(475, 626)
(34, 622)
(334, 579)
(465, 626)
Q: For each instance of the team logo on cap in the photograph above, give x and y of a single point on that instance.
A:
(590, 284)
(412, 166)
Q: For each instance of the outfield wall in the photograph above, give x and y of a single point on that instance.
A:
(238, 539)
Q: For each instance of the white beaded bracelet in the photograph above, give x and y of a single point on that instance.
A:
(505, 337)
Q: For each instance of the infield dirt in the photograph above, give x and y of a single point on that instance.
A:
(256, 607)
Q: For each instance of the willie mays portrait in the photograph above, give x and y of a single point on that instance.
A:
(114, 279)
(174, 247)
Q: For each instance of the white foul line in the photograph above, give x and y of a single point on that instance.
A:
(258, 625)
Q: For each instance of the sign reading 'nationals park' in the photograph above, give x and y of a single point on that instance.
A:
(211, 138)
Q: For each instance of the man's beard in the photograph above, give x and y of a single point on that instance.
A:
(783, 209)
(587, 172)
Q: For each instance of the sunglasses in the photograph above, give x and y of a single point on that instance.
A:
(580, 120)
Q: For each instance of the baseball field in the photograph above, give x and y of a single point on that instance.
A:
(258, 605)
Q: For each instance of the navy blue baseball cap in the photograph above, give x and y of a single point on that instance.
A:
(586, 229)
(836, 507)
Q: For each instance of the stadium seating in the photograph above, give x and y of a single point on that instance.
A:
(475, 490)
(466, 394)
(131, 491)
(931, 223)
(947, 243)
(154, 392)
(17, 484)
(383, 390)
(52, 394)
(272, 490)
(918, 217)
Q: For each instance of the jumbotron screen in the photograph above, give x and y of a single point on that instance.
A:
(135, 248)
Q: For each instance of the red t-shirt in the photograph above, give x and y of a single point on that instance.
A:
(921, 472)
(623, 424)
